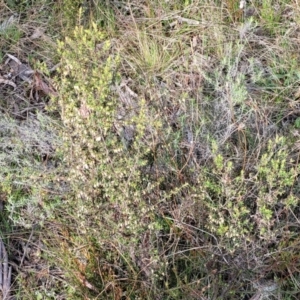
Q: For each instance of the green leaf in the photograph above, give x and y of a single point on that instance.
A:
(297, 123)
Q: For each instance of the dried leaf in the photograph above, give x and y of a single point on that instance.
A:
(84, 282)
(13, 58)
(9, 82)
(19, 69)
(41, 85)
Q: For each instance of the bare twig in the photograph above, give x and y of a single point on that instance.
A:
(5, 273)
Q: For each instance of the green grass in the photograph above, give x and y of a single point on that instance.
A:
(167, 165)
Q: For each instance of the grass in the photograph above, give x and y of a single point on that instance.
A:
(154, 153)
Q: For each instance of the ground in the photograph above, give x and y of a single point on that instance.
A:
(149, 149)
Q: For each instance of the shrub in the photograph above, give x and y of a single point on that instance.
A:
(105, 154)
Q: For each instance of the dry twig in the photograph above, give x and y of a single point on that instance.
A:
(5, 273)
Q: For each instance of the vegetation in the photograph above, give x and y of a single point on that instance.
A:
(150, 149)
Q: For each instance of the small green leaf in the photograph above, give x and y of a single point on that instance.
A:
(297, 123)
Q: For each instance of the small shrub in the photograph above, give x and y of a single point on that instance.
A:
(104, 163)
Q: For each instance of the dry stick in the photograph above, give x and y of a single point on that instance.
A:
(1, 270)
(5, 272)
(5, 267)
(25, 249)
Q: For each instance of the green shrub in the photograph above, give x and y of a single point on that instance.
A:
(104, 153)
